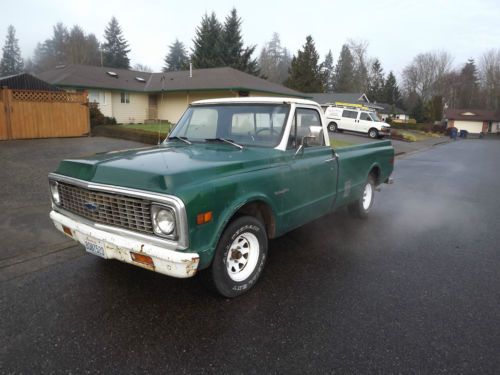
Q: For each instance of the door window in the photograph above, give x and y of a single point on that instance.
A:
(306, 123)
(364, 116)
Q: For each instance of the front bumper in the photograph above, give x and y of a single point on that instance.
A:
(119, 246)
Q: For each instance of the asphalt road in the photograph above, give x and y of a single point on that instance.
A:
(413, 289)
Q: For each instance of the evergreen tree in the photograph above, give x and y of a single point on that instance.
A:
(305, 73)
(11, 62)
(468, 92)
(207, 43)
(328, 72)
(233, 52)
(176, 58)
(274, 60)
(116, 48)
(344, 71)
(391, 93)
(376, 82)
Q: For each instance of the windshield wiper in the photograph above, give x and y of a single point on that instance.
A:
(183, 139)
(224, 140)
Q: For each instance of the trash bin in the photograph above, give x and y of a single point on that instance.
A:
(453, 133)
(463, 133)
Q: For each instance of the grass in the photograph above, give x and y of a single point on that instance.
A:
(413, 135)
(153, 128)
(335, 143)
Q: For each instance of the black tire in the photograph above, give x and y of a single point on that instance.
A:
(359, 209)
(373, 133)
(332, 127)
(240, 234)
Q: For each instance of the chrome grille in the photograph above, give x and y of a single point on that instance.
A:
(112, 209)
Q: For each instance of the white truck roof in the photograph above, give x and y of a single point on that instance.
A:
(256, 100)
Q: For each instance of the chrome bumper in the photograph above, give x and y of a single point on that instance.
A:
(120, 247)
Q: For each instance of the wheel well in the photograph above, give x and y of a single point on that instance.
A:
(373, 129)
(261, 211)
(375, 173)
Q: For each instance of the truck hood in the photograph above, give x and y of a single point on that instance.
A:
(167, 167)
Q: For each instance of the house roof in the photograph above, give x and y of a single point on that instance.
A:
(390, 109)
(225, 78)
(25, 81)
(472, 114)
(344, 97)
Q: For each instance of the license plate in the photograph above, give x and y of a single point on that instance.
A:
(95, 247)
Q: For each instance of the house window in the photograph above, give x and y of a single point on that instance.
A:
(96, 96)
(125, 97)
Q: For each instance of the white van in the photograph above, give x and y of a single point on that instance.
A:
(356, 119)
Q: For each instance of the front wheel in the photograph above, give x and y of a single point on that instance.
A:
(361, 208)
(239, 258)
(332, 127)
(373, 133)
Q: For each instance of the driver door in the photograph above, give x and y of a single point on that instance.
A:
(312, 174)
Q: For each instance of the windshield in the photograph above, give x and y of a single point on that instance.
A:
(374, 116)
(245, 124)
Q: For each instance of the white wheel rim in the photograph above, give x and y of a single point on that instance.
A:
(367, 196)
(242, 256)
(372, 134)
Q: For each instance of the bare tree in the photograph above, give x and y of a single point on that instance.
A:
(359, 53)
(489, 70)
(425, 74)
(274, 60)
(142, 68)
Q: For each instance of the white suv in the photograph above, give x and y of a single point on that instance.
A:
(356, 120)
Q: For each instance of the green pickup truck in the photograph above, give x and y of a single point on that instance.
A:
(232, 174)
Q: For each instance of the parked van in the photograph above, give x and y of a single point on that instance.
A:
(356, 118)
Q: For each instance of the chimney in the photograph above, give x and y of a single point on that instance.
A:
(190, 69)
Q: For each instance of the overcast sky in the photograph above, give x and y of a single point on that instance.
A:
(396, 30)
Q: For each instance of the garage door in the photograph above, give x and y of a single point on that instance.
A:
(470, 126)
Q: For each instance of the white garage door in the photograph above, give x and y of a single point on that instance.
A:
(470, 126)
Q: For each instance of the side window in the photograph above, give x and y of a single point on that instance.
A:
(306, 123)
(125, 97)
(364, 116)
(349, 114)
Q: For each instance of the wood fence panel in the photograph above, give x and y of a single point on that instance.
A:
(3, 116)
(41, 114)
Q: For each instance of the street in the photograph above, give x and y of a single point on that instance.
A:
(412, 289)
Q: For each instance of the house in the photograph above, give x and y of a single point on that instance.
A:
(393, 112)
(138, 97)
(473, 120)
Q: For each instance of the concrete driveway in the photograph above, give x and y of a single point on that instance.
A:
(25, 228)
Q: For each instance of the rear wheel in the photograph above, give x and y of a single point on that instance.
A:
(373, 133)
(239, 258)
(361, 208)
(332, 127)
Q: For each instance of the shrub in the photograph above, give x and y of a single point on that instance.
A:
(97, 118)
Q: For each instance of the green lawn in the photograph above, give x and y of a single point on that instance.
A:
(163, 128)
(335, 143)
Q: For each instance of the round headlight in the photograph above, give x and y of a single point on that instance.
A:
(55, 192)
(165, 221)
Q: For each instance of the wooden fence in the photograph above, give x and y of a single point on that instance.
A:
(42, 114)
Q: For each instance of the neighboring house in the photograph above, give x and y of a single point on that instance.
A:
(473, 120)
(391, 111)
(25, 81)
(138, 97)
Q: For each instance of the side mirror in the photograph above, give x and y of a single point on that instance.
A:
(305, 140)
